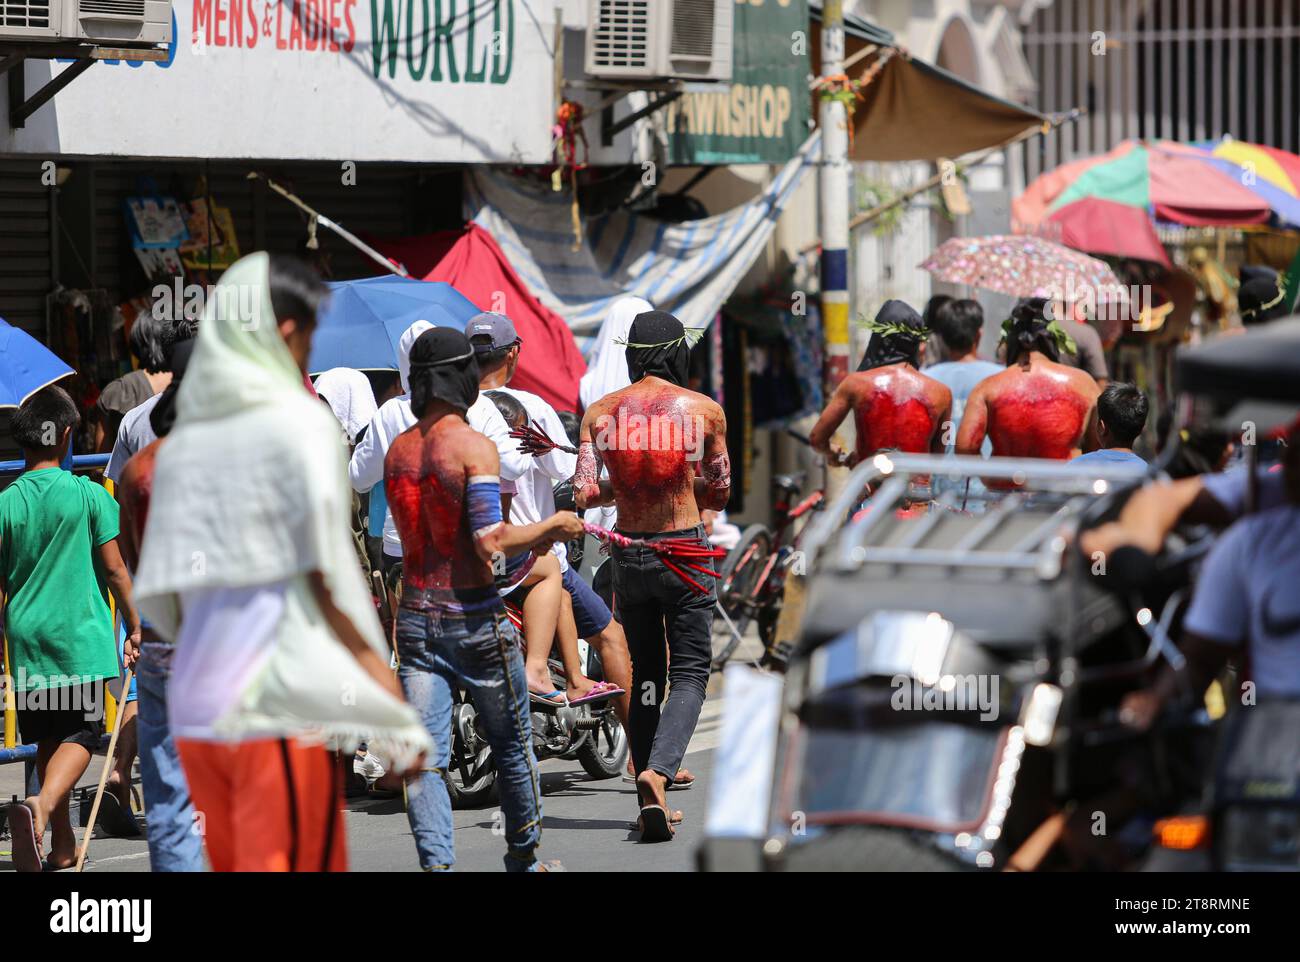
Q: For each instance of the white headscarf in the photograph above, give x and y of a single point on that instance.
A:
(404, 346)
(607, 367)
(251, 489)
(350, 397)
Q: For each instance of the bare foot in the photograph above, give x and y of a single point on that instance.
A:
(579, 688)
(539, 681)
(650, 787)
(40, 817)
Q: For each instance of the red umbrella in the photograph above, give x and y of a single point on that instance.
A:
(1106, 227)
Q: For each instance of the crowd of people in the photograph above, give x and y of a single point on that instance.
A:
(263, 669)
(261, 662)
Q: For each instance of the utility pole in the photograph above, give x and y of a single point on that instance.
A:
(833, 186)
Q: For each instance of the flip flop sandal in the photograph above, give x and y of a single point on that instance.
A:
(550, 865)
(548, 700)
(675, 818)
(116, 821)
(602, 691)
(680, 783)
(656, 824)
(26, 846)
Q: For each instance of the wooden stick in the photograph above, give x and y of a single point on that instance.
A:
(108, 765)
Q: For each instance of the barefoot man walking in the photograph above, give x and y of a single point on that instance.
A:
(666, 453)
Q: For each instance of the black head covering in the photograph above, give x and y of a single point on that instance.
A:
(1029, 330)
(443, 368)
(895, 348)
(163, 415)
(657, 347)
(1260, 299)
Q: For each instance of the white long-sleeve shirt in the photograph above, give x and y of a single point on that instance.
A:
(366, 469)
(534, 496)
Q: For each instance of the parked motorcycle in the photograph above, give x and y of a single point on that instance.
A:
(591, 734)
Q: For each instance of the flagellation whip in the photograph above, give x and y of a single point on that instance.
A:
(533, 440)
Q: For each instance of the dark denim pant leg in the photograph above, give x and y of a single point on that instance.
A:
(427, 684)
(643, 624)
(688, 620)
(175, 843)
(661, 615)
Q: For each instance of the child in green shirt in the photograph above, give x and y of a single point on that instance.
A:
(58, 560)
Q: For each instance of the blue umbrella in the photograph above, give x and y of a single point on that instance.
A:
(363, 320)
(26, 366)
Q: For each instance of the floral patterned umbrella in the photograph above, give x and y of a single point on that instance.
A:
(1025, 266)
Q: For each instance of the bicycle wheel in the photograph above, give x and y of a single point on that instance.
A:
(739, 591)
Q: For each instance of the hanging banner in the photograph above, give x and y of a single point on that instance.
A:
(763, 115)
(465, 81)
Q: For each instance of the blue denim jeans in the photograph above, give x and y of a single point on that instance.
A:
(478, 653)
(175, 844)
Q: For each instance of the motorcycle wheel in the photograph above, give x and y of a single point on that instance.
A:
(604, 752)
(476, 785)
(866, 849)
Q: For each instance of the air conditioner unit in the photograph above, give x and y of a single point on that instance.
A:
(659, 39)
(136, 23)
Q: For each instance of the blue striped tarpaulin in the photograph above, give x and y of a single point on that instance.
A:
(689, 268)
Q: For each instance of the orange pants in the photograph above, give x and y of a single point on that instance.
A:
(270, 805)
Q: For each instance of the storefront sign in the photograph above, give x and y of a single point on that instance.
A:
(762, 116)
(400, 80)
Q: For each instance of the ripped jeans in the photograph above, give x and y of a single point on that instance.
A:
(478, 653)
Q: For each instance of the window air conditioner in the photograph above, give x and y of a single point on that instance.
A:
(109, 22)
(659, 39)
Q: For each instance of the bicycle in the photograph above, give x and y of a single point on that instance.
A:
(751, 579)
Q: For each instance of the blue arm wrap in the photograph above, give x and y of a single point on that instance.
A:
(483, 500)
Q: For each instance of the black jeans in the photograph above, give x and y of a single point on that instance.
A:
(663, 616)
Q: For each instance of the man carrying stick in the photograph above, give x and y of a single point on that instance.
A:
(665, 449)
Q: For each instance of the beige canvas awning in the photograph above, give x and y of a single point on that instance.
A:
(914, 110)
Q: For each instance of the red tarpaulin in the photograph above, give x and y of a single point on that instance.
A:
(470, 260)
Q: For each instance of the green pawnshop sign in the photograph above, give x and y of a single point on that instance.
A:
(762, 116)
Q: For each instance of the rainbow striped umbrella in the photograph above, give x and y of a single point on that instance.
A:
(1270, 173)
(1110, 204)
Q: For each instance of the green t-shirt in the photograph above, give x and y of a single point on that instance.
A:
(57, 618)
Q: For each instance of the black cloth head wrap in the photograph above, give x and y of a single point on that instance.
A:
(886, 349)
(657, 347)
(443, 368)
(163, 415)
(1260, 299)
(1029, 330)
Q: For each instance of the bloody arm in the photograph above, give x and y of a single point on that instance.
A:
(836, 411)
(974, 424)
(588, 490)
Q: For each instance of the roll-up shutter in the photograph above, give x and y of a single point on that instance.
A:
(25, 255)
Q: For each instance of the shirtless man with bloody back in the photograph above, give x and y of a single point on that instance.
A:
(895, 406)
(1037, 407)
(442, 479)
(666, 452)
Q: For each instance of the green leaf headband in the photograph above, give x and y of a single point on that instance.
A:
(889, 328)
(690, 335)
(1064, 342)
